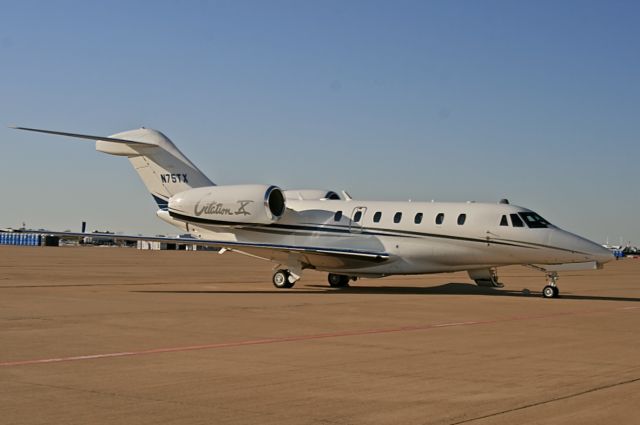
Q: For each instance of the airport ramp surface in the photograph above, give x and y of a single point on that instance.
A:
(114, 335)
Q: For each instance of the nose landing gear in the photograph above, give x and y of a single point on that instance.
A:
(551, 290)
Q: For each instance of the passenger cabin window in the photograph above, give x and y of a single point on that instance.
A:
(503, 221)
(418, 218)
(377, 216)
(461, 219)
(338, 216)
(515, 220)
(357, 216)
(440, 218)
(533, 220)
(397, 217)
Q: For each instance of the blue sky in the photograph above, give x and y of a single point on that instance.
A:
(538, 102)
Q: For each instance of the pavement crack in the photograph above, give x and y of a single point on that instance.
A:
(543, 402)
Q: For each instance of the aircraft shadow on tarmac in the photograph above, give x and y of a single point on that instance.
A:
(451, 288)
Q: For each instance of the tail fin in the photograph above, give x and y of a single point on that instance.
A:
(164, 170)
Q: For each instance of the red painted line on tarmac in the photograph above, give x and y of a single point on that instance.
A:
(296, 338)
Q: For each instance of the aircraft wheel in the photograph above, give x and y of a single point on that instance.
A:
(550, 291)
(338, 280)
(281, 279)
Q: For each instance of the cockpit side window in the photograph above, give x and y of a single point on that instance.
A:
(515, 220)
(533, 220)
(503, 221)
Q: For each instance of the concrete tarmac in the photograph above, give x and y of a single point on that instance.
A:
(108, 335)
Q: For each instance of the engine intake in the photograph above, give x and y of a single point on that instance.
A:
(252, 204)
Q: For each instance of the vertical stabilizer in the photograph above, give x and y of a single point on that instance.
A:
(159, 163)
(163, 169)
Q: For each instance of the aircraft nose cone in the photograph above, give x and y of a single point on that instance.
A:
(596, 252)
(580, 249)
(601, 254)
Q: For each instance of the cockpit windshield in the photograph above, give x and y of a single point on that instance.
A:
(533, 220)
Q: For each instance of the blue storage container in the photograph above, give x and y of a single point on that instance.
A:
(2, 238)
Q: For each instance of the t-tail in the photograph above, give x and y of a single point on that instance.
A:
(163, 169)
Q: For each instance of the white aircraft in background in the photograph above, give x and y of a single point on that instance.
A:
(349, 239)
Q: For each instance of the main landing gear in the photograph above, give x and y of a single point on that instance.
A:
(338, 280)
(285, 279)
(282, 279)
(551, 290)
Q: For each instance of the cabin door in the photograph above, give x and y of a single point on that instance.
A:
(357, 219)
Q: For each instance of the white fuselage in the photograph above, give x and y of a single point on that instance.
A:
(415, 246)
(347, 237)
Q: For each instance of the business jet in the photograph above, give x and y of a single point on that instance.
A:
(347, 238)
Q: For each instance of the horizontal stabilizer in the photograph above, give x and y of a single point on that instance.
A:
(84, 136)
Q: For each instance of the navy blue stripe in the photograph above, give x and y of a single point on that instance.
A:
(316, 229)
(163, 204)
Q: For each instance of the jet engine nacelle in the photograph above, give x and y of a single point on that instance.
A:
(252, 204)
(310, 194)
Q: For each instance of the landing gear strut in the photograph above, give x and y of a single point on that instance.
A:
(282, 279)
(551, 290)
(338, 280)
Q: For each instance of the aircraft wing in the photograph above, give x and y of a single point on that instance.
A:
(309, 256)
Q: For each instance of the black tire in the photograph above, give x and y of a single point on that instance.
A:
(338, 280)
(556, 292)
(281, 279)
(550, 292)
